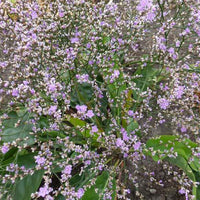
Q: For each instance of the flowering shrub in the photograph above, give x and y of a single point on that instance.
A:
(75, 111)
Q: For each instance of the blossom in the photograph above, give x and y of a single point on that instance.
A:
(137, 145)
(34, 15)
(40, 160)
(94, 129)
(4, 149)
(144, 5)
(80, 193)
(90, 114)
(15, 92)
(75, 40)
(119, 142)
(52, 87)
(124, 134)
(81, 109)
(43, 191)
(183, 129)
(52, 109)
(84, 78)
(67, 170)
(179, 91)
(163, 103)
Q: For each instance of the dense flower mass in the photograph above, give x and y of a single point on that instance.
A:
(84, 84)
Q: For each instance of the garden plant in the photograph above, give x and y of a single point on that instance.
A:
(85, 87)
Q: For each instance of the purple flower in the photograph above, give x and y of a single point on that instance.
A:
(15, 92)
(119, 142)
(74, 40)
(124, 134)
(67, 170)
(80, 193)
(116, 73)
(144, 5)
(43, 191)
(163, 103)
(52, 110)
(34, 15)
(88, 45)
(183, 129)
(82, 78)
(61, 14)
(136, 146)
(171, 50)
(91, 62)
(90, 114)
(130, 113)
(52, 87)
(40, 160)
(179, 91)
(182, 191)
(94, 129)
(81, 109)
(4, 149)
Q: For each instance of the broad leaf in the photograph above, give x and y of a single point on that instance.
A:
(28, 185)
(100, 185)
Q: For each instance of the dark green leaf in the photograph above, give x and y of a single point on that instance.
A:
(28, 185)
(100, 184)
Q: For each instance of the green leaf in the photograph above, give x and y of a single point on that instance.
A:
(196, 190)
(100, 184)
(166, 142)
(105, 39)
(11, 121)
(26, 160)
(132, 125)
(183, 164)
(28, 185)
(76, 122)
(60, 197)
(10, 153)
(114, 188)
(195, 164)
(20, 132)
